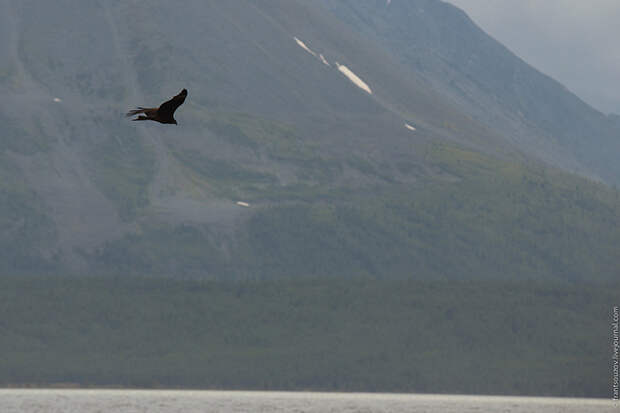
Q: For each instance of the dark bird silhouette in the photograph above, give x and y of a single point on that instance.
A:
(164, 113)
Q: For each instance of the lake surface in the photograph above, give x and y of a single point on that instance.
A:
(156, 401)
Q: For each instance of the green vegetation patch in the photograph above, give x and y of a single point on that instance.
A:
(275, 147)
(225, 178)
(324, 240)
(278, 141)
(479, 218)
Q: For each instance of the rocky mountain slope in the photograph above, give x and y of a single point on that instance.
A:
(366, 138)
(438, 42)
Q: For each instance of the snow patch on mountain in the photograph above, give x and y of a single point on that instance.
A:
(357, 81)
(303, 46)
(319, 56)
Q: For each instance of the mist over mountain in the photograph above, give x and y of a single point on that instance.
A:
(385, 139)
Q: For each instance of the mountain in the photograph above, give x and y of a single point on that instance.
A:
(386, 140)
(439, 42)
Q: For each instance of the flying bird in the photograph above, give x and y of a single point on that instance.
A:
(164, 113)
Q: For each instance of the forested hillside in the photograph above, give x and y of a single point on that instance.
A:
(349, 335)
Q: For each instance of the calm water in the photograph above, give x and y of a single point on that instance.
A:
(101, 401)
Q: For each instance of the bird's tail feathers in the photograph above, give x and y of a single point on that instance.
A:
(135, 111)
(141, 118)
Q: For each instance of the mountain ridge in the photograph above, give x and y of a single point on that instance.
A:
(490, 83)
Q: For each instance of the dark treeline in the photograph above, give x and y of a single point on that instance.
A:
(483, 337)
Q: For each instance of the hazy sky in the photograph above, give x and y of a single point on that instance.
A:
(577, 42)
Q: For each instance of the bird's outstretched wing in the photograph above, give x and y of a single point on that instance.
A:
(167, 109)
